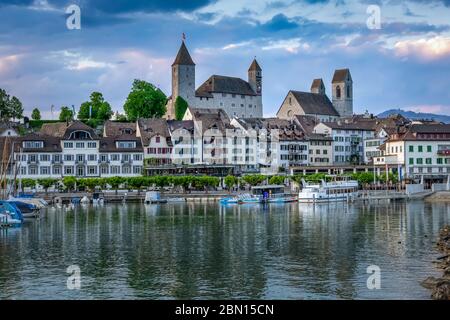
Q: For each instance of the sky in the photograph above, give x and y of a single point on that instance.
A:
(402, 63)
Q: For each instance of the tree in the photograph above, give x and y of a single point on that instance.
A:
(276, 180)
(15, 108)
(230, 181)
(97, 108)
(46, 183)
(66, 114)
(115, 182)
(69, 182)
(253, 179)
(10, 107)
(180, 108)
(36, 114)
(145, 101)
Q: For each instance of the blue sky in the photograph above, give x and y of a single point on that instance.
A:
(405, 64)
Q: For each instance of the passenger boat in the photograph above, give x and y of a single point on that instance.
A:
(328, 191)
(261, 194)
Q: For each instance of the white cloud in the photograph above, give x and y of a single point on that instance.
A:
(427, 49)
(434, 108)
(291, 45)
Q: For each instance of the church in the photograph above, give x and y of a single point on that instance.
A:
(237, 97)
(316, 103)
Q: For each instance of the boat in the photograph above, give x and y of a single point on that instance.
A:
(334, 191)
(262, 194)
(28, 210)
(175, 200)
(10, 215)
(39, 203)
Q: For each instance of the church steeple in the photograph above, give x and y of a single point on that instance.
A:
(183, 57)
(255, 77)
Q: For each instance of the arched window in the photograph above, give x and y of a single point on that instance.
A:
(338, 92)
(348, 91)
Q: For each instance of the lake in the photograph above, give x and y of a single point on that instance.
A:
(209, 251)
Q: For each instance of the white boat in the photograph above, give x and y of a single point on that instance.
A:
(328, 191)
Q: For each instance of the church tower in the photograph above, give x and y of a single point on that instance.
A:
(343, 92)
(255, 77)
(183, 79)
(318, 87)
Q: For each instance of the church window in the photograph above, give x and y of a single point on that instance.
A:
(290, 100)
(249, 105)
(348, 92)
(338, 92)
(233, 105)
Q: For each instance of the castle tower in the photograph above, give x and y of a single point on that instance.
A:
(343, 92)
(183, 79)
(255, 77)
(318, 86)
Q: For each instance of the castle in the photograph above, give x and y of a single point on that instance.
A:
(237, 97)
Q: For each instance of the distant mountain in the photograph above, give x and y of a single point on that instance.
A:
(416, 115)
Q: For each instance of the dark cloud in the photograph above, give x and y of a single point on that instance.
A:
(280, 22)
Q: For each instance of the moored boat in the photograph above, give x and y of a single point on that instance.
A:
(323, 191)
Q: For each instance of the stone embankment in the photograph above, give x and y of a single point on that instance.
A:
(440, 196)
(440, 287)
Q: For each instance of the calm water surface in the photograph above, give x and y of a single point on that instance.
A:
(207, 251)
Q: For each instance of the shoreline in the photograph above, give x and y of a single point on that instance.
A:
(440, 287)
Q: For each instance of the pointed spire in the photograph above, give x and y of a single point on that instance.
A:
(254, 66)
(183, 57)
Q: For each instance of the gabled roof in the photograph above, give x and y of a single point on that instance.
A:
(422, 132)
(183, 57)
(63, 130)
(352, 125)
(224, 84)
(51, 143)
(152, 127)
(254, 66)
(116, 129)
(211, 118)
(315, 104)
(340, 75)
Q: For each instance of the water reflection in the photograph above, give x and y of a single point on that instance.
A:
(194, 251)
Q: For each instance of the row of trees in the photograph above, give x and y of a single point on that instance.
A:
(144, 101)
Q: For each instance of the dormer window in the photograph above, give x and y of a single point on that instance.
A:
(33, 144)
(126, 144)
(127, 131)
(158, 139)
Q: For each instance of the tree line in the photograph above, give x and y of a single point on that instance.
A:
(145, 100)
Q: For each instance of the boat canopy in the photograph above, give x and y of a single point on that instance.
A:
(270, 188)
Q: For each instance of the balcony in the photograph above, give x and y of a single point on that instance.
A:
(80, 161)
(35, 161)
(58, 161)
(103, 161)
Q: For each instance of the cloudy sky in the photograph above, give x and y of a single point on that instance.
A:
(405, 64)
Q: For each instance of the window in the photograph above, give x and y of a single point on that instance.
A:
(44, 157)
(92, 170)
(68, 145)
(115, 169)
(79, 145)
(428, 161)
(338, 92)
(411, 160)
(137, 157)
(224, 95)
(419, 161)
(115, 157)
(158, 139)
(56, 170)
(129, 144)
(440, 161)
(92, 145)
(23, 170)
(420, 148)
(68, 170)
(68, 157)
(126, 170)
(103, 157)
(92, 157)
(233, 95)
(411, 148)
(137, 169)
(33, 144)
(32, 170)
(429, 149)
(104, 170)
(348, 91)
(45, 171)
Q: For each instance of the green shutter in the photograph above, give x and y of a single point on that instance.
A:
(429, 148)
(420, 148)
(411, 148)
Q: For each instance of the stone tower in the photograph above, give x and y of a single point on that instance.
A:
(255, 77)
(318, 86)
(183, 79)
(343, 92)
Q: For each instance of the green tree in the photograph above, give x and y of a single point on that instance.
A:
(276, 180)
(28, 183)
(66, 114)
(4, 105)
(15, 108)
(145, 101)
(115, 182)
(253, 179)
(230, 181)
(180, 108)
(36, 114)
(96, 108)
(69, 183)
(46, 183)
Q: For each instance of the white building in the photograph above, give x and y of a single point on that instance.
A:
(237, 97)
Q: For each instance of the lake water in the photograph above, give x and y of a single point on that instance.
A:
(209, 251)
